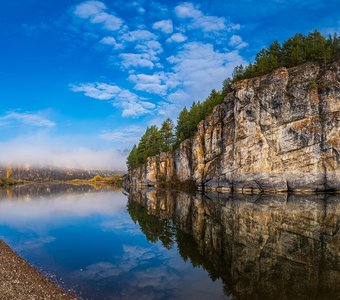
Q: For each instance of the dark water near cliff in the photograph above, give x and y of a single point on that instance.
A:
(165, 245)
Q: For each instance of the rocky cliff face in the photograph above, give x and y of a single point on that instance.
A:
(278, 246)
(278, 132)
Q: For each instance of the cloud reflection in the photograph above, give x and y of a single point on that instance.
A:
(45, 211)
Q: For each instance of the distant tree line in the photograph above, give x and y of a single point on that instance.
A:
(293, 52)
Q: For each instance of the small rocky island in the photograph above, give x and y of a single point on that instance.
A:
(274, 133)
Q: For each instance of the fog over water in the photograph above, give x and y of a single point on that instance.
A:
(58, 152)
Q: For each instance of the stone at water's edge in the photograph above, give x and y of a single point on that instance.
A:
(278, 132)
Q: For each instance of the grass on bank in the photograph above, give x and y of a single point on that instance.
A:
(115, 180)
(9, 182)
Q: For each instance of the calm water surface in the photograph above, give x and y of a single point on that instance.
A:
(103, 244)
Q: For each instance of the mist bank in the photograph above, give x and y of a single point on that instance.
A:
(44, 152)
(18, 175)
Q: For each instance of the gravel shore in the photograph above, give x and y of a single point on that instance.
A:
(20, 281)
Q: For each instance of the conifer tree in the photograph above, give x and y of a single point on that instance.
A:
(182, 128)
(167, 135)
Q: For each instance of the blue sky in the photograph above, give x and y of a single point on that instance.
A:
(81, 80)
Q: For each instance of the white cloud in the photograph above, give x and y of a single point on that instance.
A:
(146, 50)
(136, 108)
(237, 42)
(177, 38)
(165, 26)
(200, 68)
(89, 8)
(126, 136)
(136, 5)
(100, 91)
(198, 20)
(145, 78)
(138, 35)
(111, 41)
(136, 60)
(32, 119)
(189, 74)
(157, 83)
(153, 88)
(96, 13)
(150, 49)
(56, 208)
(132, 105)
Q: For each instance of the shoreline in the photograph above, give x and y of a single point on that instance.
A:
(183, 186)
(20, 280)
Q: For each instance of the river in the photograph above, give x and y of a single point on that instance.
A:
(152, 244)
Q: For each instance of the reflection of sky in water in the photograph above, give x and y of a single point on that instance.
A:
(89, 241)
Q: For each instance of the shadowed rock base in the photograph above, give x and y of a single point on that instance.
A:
(20, 281)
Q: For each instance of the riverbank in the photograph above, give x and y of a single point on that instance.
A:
(113, 181)
(19, 280)
(6, 182)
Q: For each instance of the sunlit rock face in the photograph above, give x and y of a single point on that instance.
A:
(262, 247)
(276, 132)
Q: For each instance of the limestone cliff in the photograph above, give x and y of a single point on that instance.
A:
(278, 132)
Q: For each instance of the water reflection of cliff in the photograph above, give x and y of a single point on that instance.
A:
(262, 247)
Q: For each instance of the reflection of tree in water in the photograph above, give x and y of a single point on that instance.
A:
(154, 228)
(164, 230)
(188, 249)
(262, 247)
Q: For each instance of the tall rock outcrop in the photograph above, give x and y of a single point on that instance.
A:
(278, 132)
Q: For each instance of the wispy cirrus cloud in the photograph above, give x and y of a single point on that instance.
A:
(131, 104)
(32, 119)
